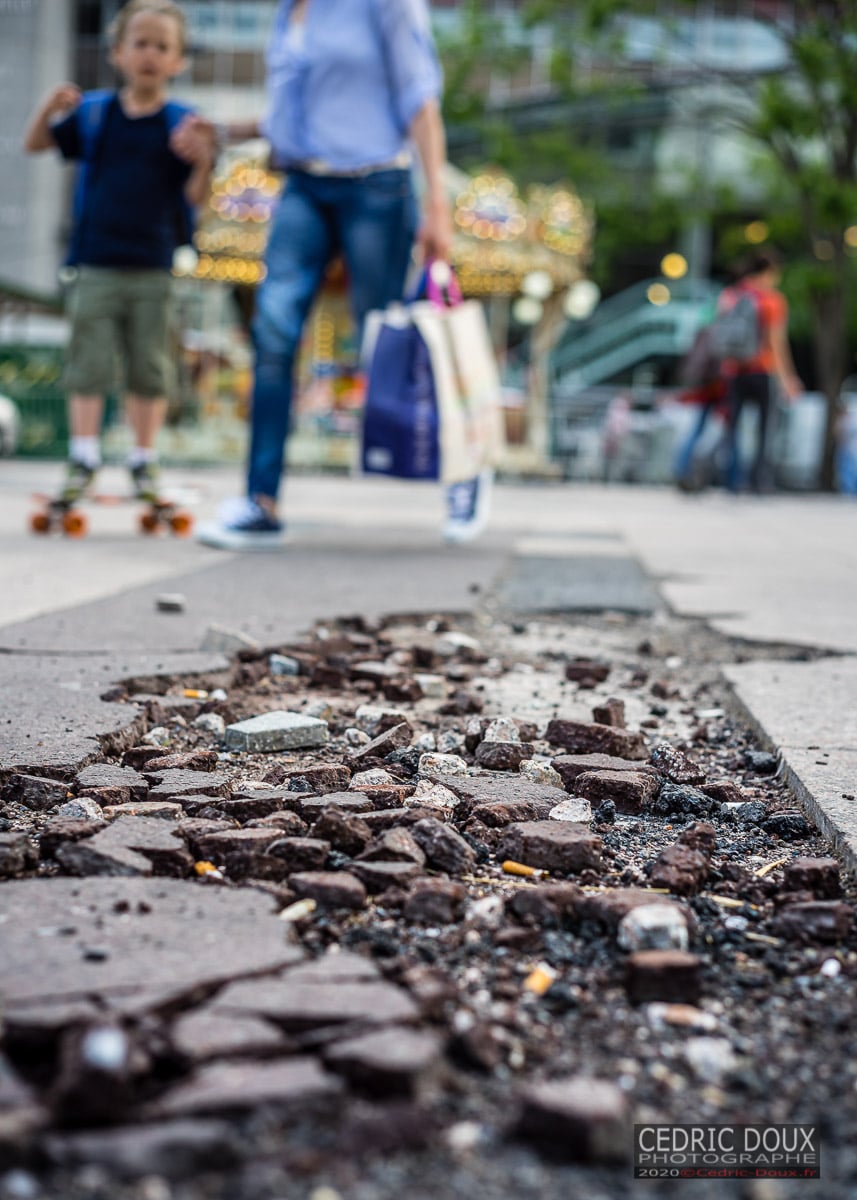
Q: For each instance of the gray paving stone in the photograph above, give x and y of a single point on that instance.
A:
(33, 791)
(111, 784)
(580, 1118)
(346, 803)
(129, 846)
(226, 1087)
(205, 1034)
(499, 787)
(387, 1061)
(553, 845)
(571, 766)
(330, 889)
(276, 731)
(178, 783)
(220, 842)
(582, 737)
(378, 876)
(165, 810)
(297, 1006)
(338, 966)
(630, 791)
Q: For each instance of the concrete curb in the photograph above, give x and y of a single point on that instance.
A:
(799, 710)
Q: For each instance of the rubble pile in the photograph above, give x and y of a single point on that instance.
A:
(494, 883)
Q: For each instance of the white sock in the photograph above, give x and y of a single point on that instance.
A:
(86, 450)
(140, 455)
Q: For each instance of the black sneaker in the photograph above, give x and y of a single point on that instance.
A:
(78, 480)
(145, 479)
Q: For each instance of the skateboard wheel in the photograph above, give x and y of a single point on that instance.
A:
(149, 522)
(181, 524)
(40, 523)
(74, 524)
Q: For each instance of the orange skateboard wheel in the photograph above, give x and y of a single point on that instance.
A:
(181, 524)
(149, 522)
(74, 524)
(40, 522)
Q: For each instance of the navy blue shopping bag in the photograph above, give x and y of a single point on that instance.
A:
(401, 421)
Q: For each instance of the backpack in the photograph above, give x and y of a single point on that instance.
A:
(92, 115)
(735, 334)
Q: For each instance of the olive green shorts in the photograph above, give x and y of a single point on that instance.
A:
(120, 318)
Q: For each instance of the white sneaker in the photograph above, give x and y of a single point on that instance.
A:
(243, 525)
(468, 507)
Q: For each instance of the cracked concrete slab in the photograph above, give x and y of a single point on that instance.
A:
(51, 711)
(99, 938)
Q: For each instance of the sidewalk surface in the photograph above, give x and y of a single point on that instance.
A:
(77, 615)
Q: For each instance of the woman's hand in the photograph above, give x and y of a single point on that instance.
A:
(435, 235)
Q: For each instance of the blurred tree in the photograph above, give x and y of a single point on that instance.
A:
(807, 119)
(550, 117)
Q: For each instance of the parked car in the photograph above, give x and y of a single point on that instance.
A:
(10, 427)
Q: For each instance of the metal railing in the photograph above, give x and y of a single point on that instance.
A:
(628, 329)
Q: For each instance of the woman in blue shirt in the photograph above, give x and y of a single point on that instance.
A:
(351, 85)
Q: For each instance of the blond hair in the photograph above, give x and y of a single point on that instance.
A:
(164, 8)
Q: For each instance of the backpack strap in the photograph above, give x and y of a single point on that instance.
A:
(175, 112)
(91, 119)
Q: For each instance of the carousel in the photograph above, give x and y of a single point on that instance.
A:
(523, 255)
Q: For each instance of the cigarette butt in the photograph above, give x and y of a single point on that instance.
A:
(540, 979)
(516, 868)
(768, 867)
(204, 868)
(298, 910)
(195, 694)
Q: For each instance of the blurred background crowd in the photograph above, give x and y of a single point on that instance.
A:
(611, 162)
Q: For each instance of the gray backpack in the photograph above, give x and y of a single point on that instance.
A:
(736, 333)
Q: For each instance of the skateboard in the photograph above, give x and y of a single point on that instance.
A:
(66, 516)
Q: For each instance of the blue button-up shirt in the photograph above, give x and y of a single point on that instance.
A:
(346, 87)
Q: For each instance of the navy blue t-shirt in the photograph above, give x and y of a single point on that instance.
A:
(132, 211)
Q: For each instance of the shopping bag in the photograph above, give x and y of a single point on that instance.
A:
(414, 421)
(479, 380)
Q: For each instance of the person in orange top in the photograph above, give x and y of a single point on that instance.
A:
(759, 379)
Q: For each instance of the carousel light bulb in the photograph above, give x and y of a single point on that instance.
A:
(527, 311)
(538, 285)
(581, 299)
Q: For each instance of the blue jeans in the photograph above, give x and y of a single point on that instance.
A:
(684, 457)
(371, 221)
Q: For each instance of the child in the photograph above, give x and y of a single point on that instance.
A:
(130, 216)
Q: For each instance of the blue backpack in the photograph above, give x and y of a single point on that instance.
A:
(92, 115)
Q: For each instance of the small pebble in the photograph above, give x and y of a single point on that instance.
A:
(171, 602)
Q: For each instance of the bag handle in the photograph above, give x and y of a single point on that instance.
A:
(437, 282)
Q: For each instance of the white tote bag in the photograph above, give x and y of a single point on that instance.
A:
(479, 380)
